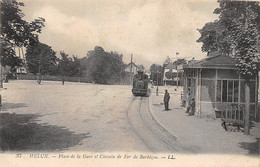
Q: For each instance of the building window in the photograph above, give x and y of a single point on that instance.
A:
(226, 74)
(208, 73)
(227, 91)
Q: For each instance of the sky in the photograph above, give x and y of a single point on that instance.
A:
(151, 30)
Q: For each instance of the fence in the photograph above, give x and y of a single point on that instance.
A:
(234, 116)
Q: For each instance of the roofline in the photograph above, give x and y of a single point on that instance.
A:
(215, 66)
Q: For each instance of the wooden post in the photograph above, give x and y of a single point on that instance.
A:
(256, 96)
(247, 109)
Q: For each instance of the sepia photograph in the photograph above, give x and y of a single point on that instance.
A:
(91, 83)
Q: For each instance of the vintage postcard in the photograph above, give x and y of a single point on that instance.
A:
(91, 83)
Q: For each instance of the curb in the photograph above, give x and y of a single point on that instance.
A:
(158, 122)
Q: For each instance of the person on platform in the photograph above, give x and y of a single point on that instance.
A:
(188, 102)
(166, 100)
(192, 107)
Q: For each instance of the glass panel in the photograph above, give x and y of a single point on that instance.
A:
(235, 91)
(189, 72)
(253, 115)
(252, 91)
(189, 82)
(230, 91)
(242, 91)
(208, 90)
(208, 73)
(224, 91)
(194, 88)
(219, 91)
(228, 74)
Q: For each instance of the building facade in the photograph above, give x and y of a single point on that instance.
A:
(215, 82)
(131, 68)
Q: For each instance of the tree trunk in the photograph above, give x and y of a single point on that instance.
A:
(247, 109)
(1, 76)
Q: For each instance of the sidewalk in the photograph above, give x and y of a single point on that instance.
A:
(201, 135)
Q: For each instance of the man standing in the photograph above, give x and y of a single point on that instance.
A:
(166, 100)
(188, 102)
(192, 107)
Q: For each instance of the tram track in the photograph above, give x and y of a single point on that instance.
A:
(132, 126)
(154, 137)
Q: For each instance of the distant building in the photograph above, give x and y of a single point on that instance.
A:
(215, 82)
(21, 70)
(131, 68)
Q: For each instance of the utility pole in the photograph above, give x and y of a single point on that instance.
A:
(131, 69)
(177, 78)
(177, 84)
(157, 85)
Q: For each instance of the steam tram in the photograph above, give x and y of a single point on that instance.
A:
(140, 84)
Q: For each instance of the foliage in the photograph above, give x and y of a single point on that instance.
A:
(169, 75)
(141, 67)
(104, 67)
(41, 59)
(156, 71)
(235, 32)
(69, 66)
(180, 62)
(246, 42)
(16, 32)
(8, 56)
(167, 61)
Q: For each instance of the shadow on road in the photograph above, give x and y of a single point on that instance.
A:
(157, 105)
(21, 132)
(7, 106)
(253, 148)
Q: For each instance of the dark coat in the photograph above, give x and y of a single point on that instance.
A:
(166, 97)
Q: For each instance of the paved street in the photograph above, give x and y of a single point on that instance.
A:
(97, 118)
(74, 117)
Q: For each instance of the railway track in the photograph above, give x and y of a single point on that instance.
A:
(150, 132)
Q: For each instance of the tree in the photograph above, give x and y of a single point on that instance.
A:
(16, 32)
(222, 34)
(235, 34)
(156, 72)
(180, 62)
(41, 59)
(167, 61)
(65, 65)
(76, 67)
(169, 75)
(104, 67)
(141, 67)
(8, 57)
